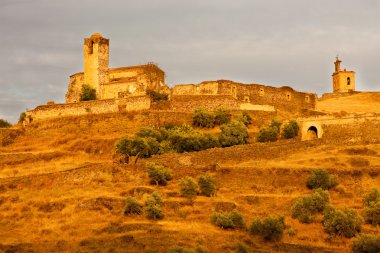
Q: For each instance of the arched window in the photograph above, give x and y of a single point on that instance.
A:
(348, 81)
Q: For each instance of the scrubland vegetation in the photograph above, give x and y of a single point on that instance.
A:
(158, 194)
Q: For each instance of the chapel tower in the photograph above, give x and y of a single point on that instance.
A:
(96, 59)
(343, 80)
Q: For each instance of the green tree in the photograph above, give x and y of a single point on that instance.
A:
(320, 178)
(4, 123)
(222, 116)
(188, 188)
(137, 147)
(228, 220)
(269, 228)
(233, 133)
(367, 244)
(344, 222)
(246, 118)
(267, 134)
(305, 207)
(159, 174)
(372, 214)
(153, 207)
(372, 198)
(157, 96)
(87, 93)
(207, 185)
(203, 118)
(290, 130)
(22, 117)
(132, 207)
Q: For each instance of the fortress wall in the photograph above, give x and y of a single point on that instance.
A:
(360, 131)
(284, 98)
(209, 102)
(205, 88)
(75, 88)
(89, 107)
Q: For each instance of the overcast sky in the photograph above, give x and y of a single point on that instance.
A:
(273, 42)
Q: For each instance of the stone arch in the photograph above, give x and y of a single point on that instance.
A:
(311, 131)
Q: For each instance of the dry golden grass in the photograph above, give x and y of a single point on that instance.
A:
(60, 191)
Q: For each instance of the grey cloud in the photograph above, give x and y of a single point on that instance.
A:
(274, 42)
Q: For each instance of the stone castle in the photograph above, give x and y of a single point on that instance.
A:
(125, 89)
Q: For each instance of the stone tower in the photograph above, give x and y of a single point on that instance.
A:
(343, 80)
(96, 59)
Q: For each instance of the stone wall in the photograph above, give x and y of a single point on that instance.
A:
(121, 82)
(284, 97)
(88, 107)
(210, 102)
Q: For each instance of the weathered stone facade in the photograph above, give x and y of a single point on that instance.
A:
(108, 82)
(124, 89)
(250, 96)
(89, 107)
(343, 80)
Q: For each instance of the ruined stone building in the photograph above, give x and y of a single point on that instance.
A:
(125, 89)
(111, 83)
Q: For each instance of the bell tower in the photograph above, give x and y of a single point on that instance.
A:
(343, 80)
(96, 59)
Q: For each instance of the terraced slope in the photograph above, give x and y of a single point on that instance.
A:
(66, 194)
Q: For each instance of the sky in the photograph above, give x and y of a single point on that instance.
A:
(273, 42)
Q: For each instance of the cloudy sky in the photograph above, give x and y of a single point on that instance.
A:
(274, 42)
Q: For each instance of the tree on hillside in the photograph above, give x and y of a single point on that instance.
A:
(4, 123)
(87, 93)
(233, 133)
(21, 117)
(137, 147)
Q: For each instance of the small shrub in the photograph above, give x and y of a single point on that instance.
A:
(233, 133)
(372, 214)
(222, 116)
(188, 188)
(207, 185)
(203, 118)
(367, 244)
(209, 141)
(291, 232)
(246, 119)
(228, 220)
(159, 174)
(290, 130)
(372, 198)
(146, 132)
(132, 207)
(87, 93)
(305, 207)
(242, 248)
(269, 228)
(22, 117)
(157, 96)
(344, 222)
(267, 134)
(4, 123)
(276, 124)
(153, 206)
(320, 178)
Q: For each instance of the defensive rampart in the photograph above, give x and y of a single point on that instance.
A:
(88, 107)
